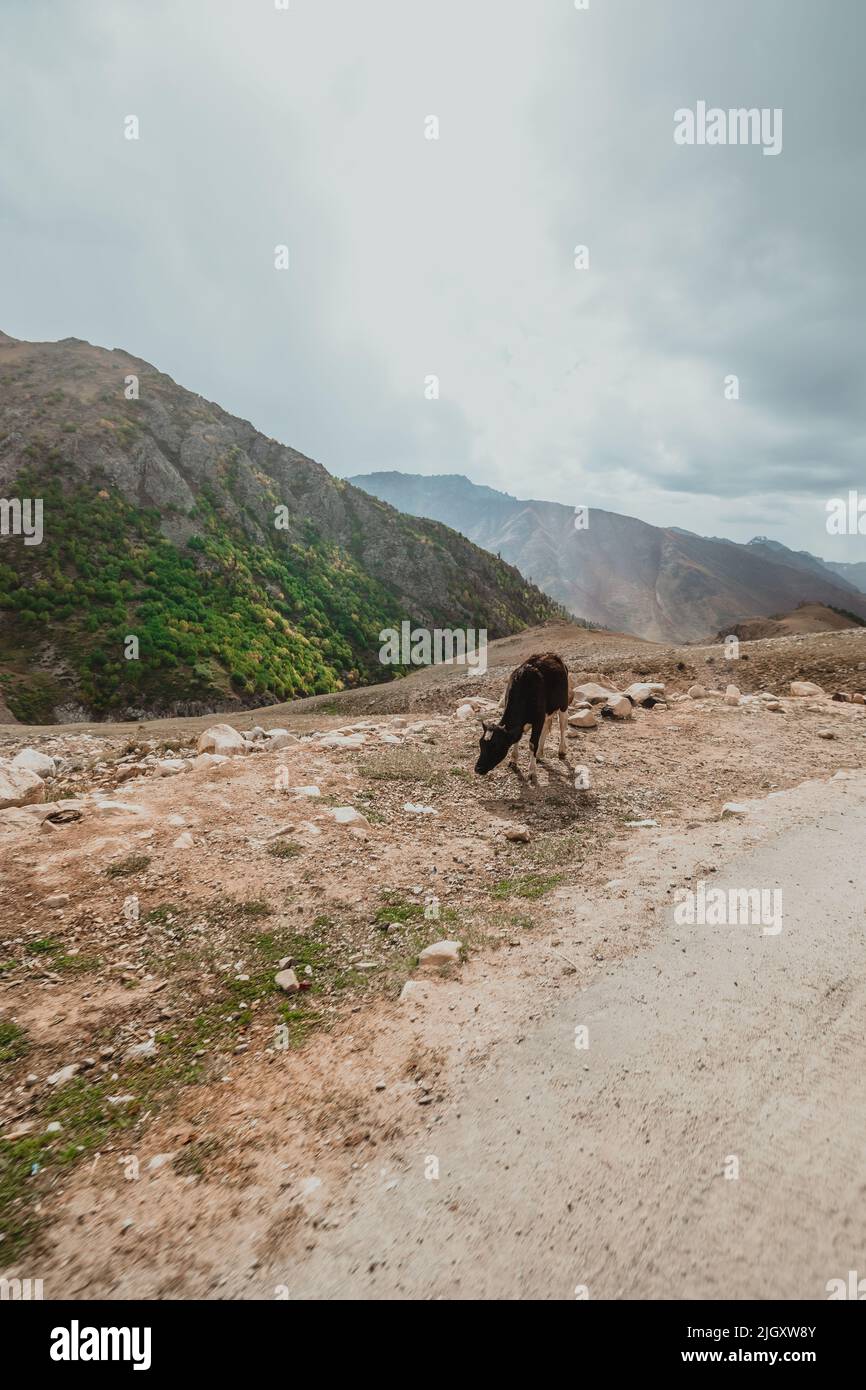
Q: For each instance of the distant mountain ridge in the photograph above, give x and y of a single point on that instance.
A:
(663, 584)
(245, 572)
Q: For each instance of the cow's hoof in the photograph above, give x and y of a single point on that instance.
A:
(562, 754)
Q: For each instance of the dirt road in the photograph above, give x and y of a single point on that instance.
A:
(605, 1167)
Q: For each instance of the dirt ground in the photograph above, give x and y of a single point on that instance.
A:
(212, 1129)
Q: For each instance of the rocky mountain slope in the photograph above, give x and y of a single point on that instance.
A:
(246, 572)
(664, 584)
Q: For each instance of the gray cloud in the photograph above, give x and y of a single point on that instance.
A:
(454, 257)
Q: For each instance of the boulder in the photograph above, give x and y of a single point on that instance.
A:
(595, 694)
(732, 695)
(617, 707)
(342, 741)
(643, 691)
(34, 761)
(287, 981)
(805, 689)
(441, 953)
(222, 738)
(279, 738)
(697, 692)
(583, 719)
(19, 786)
(347, 815)
(209, 760)
(170, 767)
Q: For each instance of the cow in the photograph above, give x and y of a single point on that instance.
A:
(537, 690)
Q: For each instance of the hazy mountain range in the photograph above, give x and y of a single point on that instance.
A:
(664, 584)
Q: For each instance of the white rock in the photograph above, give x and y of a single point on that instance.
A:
(59, 1078)
(19, 787)
(170, 767)
(618, 706)
(389, 738)
(465, 712)
(804, 689)
(732, 695)
(143, 1049)
(441, 953)
(417, 810)
(643, 690)
(734, 808)
(595, 694)
(209, 760)
(287, 981)
(184, 841)
(697, 692)
(306, 791)
(222, 738)
(34, 761)
(342, 741)
(642, 824)
(279, 738)
(583, 719)
(346, 815)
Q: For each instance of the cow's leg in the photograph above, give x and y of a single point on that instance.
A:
(535, 739)
(545, 730)
(562, 733)
(513, 763)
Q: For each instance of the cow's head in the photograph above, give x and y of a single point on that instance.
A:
(493, 746)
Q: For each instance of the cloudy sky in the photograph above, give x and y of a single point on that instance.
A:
(455, 257)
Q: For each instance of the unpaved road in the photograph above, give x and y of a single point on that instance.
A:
(604, 1167)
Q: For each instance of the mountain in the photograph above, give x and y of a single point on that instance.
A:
(852, 571)
(664, 584)
(808, 619)
(244, 570)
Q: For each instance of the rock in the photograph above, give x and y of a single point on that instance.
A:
(805, 689)
(222, 738)
(583, 719)
(643, 691)
(170, 767)
(347, 815)
(642, 824)
(20, 1132)
(827, 733)
(183, 841)
(342, 741)
(306, 791)
(858, 699)
(518, 833)
(595, 694)
(54, 1127)
(734, 808)
(617, 707)
(774, 706)
(120, 808)
(697, 692)
(465, 712)
(287, 981)
(59, 1078)
(209, 760)
(732, 695)
(57, 900)
(19, 786)
(143, 1049)
(441, 953)
(279, 738)
(417, 810)
(34, 761)
(257, 732)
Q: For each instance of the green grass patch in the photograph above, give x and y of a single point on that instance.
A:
(132, 864)
(527, 885)
(13, 1042)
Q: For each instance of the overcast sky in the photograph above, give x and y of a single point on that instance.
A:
(455, 257)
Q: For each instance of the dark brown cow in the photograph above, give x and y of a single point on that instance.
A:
(537, 690)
